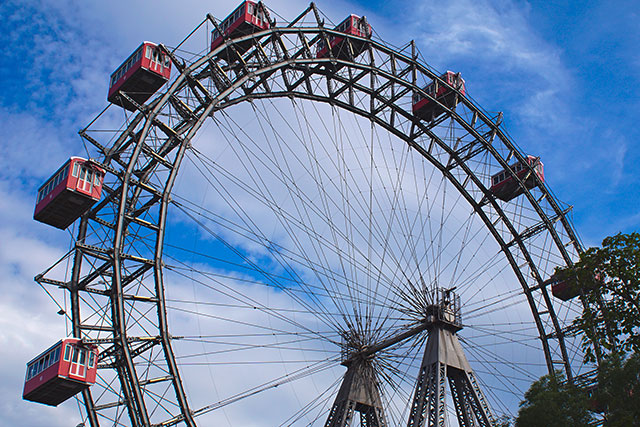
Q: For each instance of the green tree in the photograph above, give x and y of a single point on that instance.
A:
(609, 281)
(619, 389)
(551, 401)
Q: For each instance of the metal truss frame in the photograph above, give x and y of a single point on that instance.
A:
(119, 245)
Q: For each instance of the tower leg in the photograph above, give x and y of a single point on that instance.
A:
(461, 401)
(359, 392)
(429, 401)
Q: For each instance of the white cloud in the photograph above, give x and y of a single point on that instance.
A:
(620, 156)
(503, 58)
(28, 320)
(32, 148)
(485, 32)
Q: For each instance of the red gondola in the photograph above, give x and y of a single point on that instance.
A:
(60, 372)
(566, 288)
(353, 25)
(562, 288)
(595, 405)
(140, 76)
(248, 18)
(445, 94)
(505, 187)
(73, 189)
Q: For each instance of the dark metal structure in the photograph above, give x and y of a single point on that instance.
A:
(445, 360)
(118, 283)
(358, 393)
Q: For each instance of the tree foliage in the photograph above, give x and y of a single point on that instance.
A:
(609, 280)
(550, 401)
(619, 390)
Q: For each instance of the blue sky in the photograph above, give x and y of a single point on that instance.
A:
(564, 74)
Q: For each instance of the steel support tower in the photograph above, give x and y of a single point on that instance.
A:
(359, 392)
(443, 361)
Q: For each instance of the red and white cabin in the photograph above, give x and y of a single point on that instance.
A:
(505, 187)
(565, 288)
(140, 76)
(562, 288)
(248, 18)
(66, 368)
(69, 192)
(445, 94)
(353, 25)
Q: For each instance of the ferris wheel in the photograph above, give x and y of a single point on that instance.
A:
(306, 226)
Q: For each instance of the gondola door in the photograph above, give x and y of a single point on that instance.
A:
(85, 180)
(156, 64)
(78, 368)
